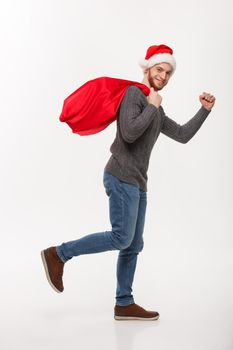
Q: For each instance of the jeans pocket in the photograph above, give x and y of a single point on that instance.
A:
(129, 186)
(107, 178)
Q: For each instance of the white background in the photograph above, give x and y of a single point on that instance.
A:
(51, 179)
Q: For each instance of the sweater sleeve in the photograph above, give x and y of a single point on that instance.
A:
(183, 133)
(133, 118)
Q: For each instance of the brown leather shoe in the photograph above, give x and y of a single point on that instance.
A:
(53, 268)
(134, 312)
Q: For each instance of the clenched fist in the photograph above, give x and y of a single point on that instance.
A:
(207, 100)
(154, 98)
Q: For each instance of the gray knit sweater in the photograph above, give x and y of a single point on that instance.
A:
(139, 124)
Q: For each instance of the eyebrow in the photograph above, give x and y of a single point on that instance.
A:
(169, 71)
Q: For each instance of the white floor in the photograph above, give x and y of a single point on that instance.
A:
(184, 272)
(196, 308)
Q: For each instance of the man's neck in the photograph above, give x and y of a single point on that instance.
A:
(146, 82)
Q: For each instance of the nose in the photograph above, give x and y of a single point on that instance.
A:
(163, 75)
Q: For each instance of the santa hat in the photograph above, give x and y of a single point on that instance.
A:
(158, 54)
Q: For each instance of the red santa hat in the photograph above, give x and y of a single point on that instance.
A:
(158, 54)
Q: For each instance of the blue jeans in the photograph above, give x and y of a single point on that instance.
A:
(127, 208)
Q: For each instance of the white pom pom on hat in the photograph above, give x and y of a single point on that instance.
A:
(158, 54)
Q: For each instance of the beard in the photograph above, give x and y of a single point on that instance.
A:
(152, 82)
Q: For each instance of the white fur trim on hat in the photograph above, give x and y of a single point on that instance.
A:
(158, 58)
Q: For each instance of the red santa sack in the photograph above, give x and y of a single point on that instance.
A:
(93, 106)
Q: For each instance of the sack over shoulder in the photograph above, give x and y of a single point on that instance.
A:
(94, 105)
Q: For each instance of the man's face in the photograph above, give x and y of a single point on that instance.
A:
(159, 75)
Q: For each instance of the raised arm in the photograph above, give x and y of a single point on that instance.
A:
(133, 117)
(183, 133)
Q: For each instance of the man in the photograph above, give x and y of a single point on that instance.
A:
(139, 123)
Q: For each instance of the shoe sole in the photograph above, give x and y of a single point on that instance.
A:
(125, 318)
(47, 272)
